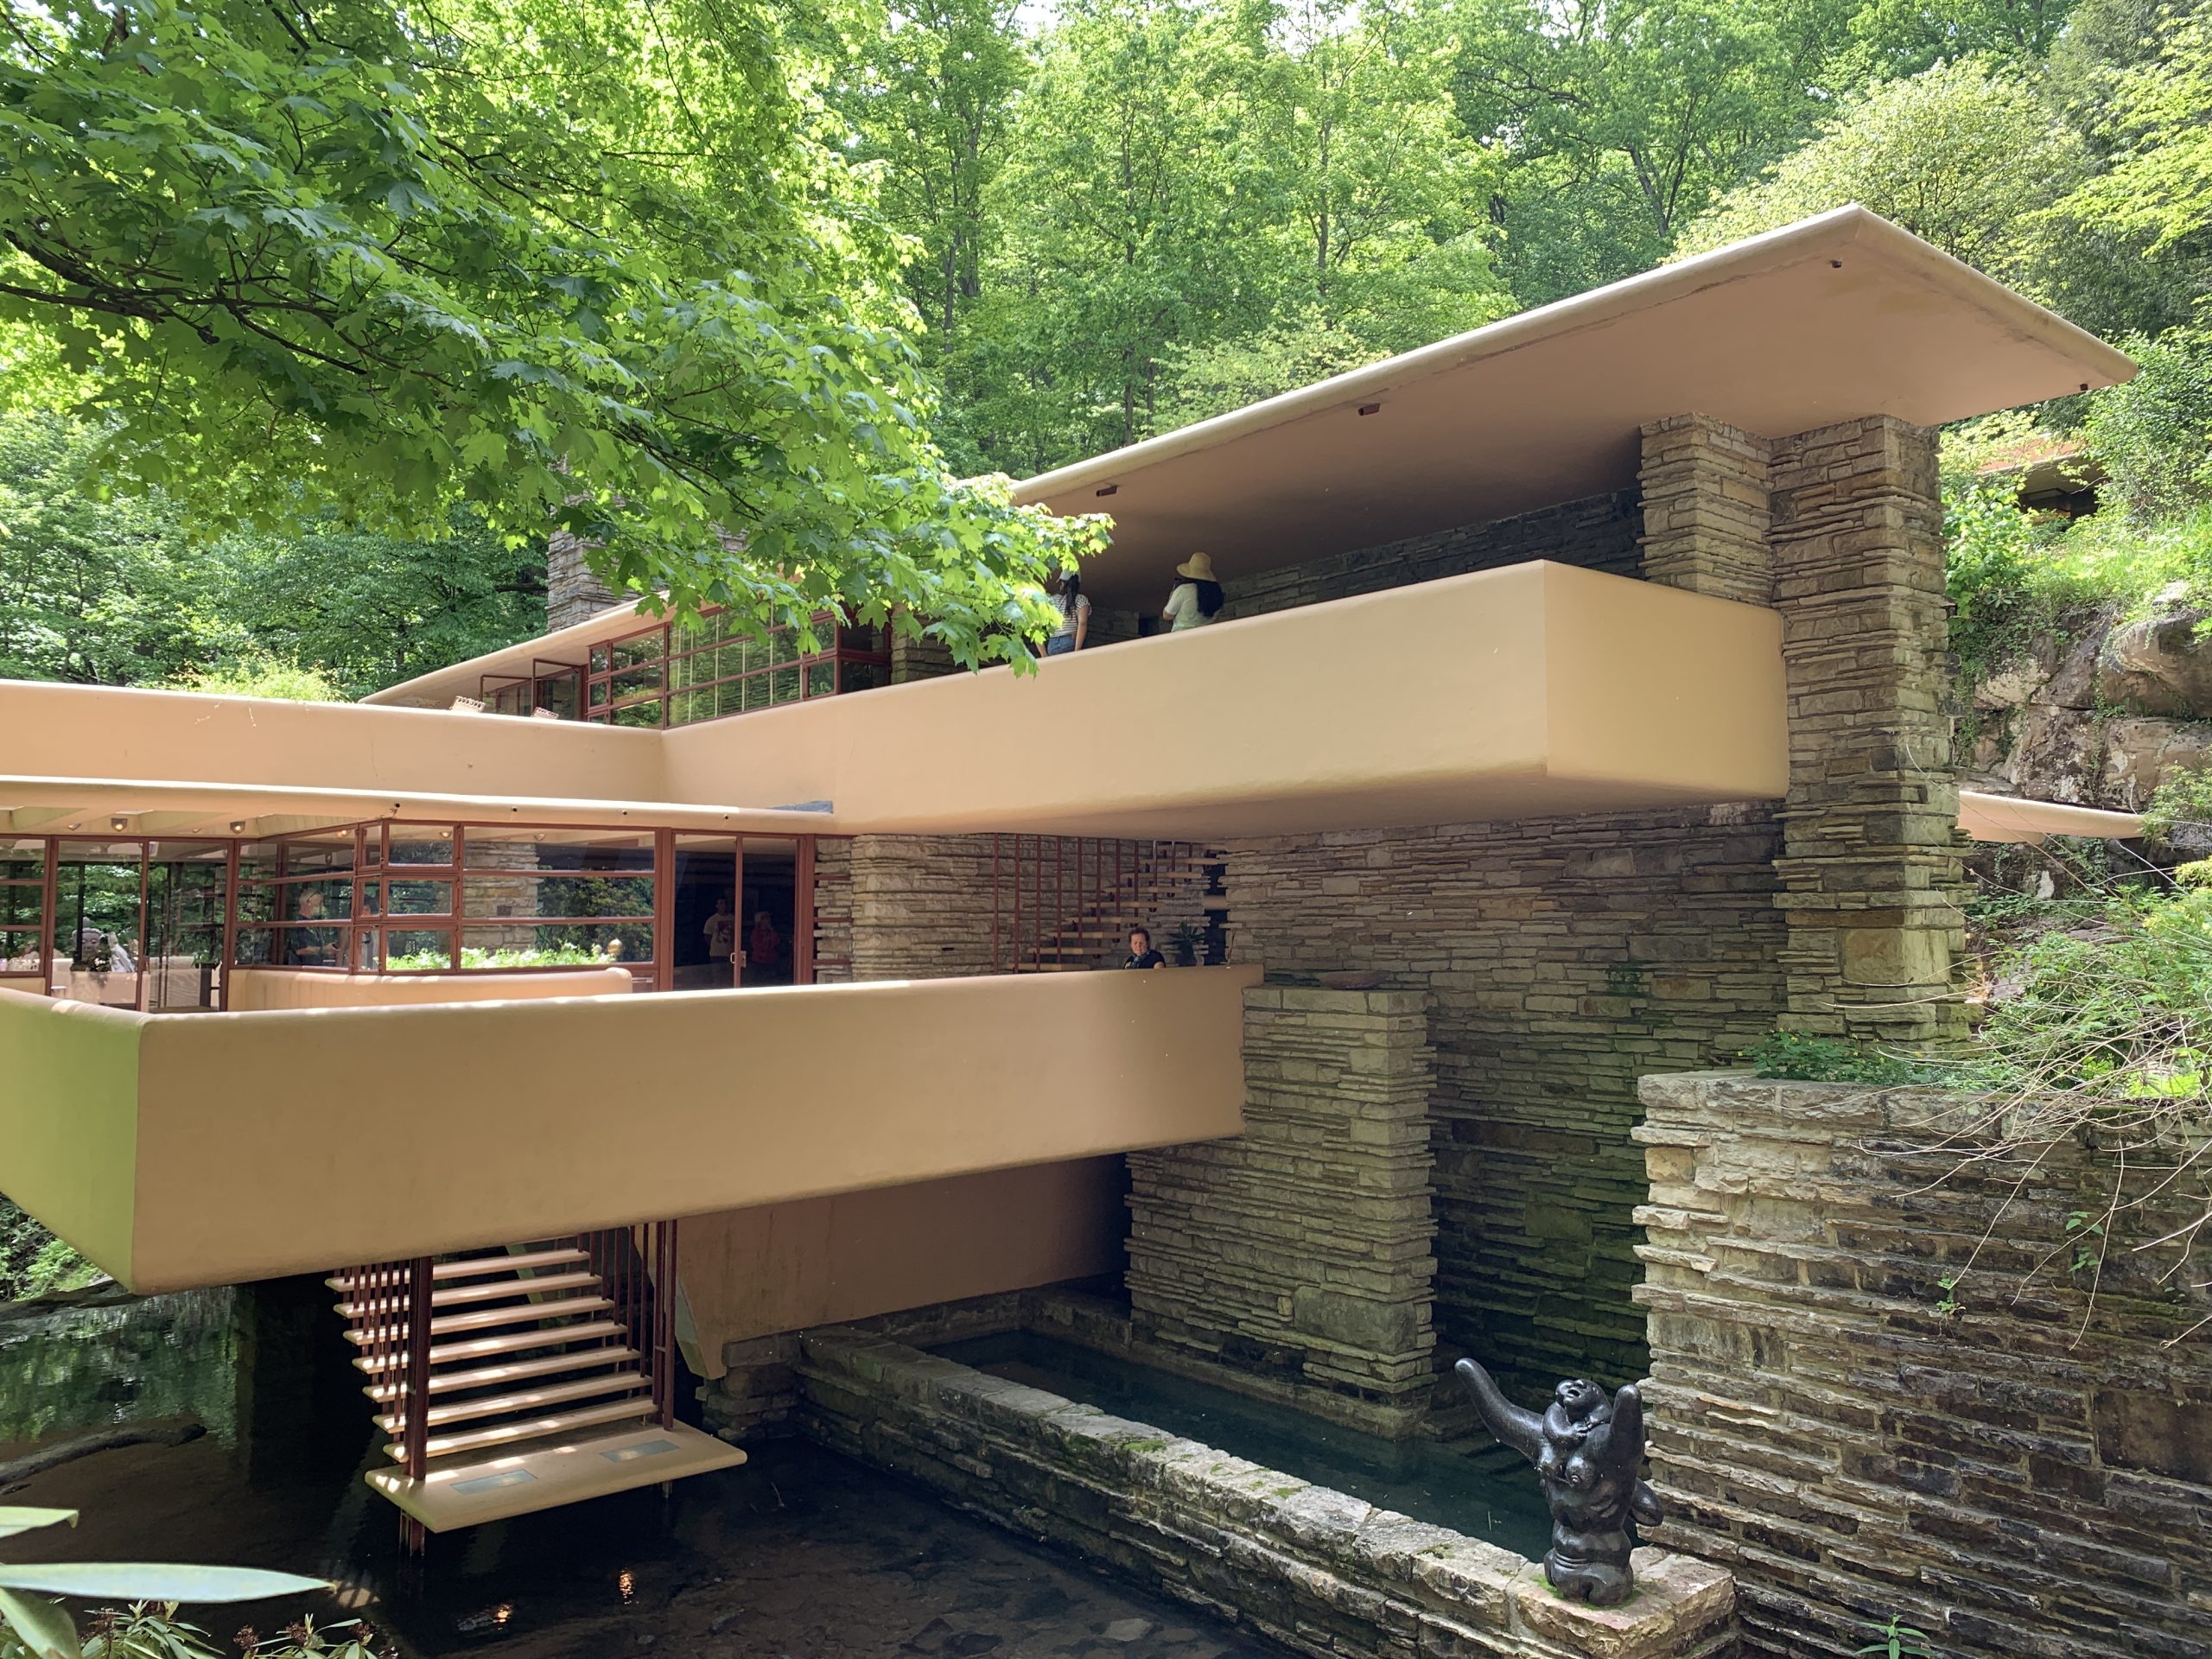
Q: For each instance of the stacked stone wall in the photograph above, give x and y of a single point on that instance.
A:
(1302, 1249)
(2013, 1464)
(833, 909)
(1563, 957)
(1600, 532)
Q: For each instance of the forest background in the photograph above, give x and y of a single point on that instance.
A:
(1109, 218)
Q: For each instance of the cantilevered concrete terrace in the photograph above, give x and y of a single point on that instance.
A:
(223, 1148)
(1541, 688)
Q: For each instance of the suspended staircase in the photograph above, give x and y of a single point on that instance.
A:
(525, 1378)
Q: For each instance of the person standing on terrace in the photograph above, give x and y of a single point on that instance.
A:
(1196, 600)
(1067, 597)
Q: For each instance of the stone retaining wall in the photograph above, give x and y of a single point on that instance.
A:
(1302, 1250)
(1562, 957)
(2023, 1474)
(1319, 1572)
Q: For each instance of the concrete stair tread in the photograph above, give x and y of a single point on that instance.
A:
(466, 1491)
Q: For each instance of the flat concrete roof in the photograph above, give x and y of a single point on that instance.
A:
(1836, 317)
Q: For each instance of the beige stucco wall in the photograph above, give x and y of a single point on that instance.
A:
(297, 1140)
(1536, 688)
(784, 1266)
(69, 1077)
(259, 988)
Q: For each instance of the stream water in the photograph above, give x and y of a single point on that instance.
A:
(799, 1554)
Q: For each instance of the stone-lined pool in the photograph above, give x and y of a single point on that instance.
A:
(1492, 1495)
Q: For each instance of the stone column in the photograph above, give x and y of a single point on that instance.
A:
(1870, 868)
(1302, 1254)
(1704, 488)
(573, 594)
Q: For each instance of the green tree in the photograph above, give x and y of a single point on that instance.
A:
(1903, 37)
(99, 591)
(931, 99)
(1622, 120)
(1131, 211)
(1381, 198)
(2160, 181)
(112, 591)
(567, 259)
(369, 611)
(1960, 156)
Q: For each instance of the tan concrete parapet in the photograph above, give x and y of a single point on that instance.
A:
(223, 1148)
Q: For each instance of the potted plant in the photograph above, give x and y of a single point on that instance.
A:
(1186, 943)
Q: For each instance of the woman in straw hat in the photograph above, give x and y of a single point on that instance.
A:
(1197, 599)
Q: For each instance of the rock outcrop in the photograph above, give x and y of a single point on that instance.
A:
(2098, 718)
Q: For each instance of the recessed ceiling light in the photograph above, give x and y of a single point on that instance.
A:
(1112, 489)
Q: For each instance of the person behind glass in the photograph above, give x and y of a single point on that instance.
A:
(1196, 600)
(308, 946)
(1067, 597)
(1141, 954)
(721, 932)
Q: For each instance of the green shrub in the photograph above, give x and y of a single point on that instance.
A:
(1799, 1057)
(2153, 434)
(559, 955)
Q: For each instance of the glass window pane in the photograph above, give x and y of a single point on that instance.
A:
(255, 946)
(861, 676)
(23, 864)
(19, 950)
(417, 951)
(415, 843)
(604, 944)
(420, 898)
(783, 685)
(639, 713)
(633, 681)
(645, 648)
(557, 693)
(22, 907)
(599, 694)
(306, 857)
(821, 679)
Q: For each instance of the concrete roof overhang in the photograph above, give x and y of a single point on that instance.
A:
(1832, 319)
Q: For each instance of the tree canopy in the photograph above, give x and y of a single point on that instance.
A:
(579, 261)
(363, 300)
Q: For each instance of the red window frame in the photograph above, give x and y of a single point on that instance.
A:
(854, 651)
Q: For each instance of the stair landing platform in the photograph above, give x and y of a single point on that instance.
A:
(469, 1491)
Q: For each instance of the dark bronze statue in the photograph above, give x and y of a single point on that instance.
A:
(1587, 1450)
